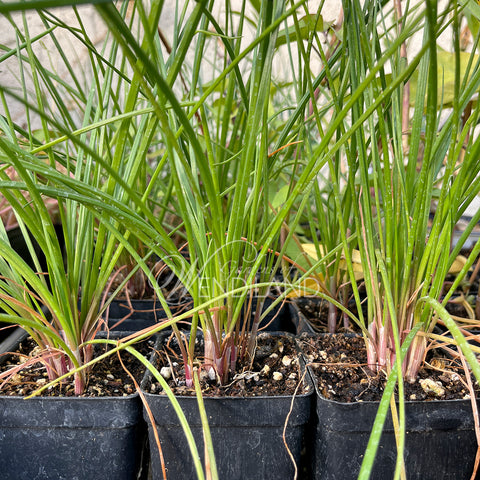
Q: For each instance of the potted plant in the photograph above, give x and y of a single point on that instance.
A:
(57, 299)
(220, 164)
(398, 164)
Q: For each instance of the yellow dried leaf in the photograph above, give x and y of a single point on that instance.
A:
(457, 265)
(306, 286)
(311, 251)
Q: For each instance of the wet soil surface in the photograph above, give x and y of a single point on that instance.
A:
(340, 364)
(106, 378)
(275, 370)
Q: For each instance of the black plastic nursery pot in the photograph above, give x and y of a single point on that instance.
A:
(140, 314)
(247, 436)
(9, 331)
(300, 322)
(279, 319)
(144, 313)
(440, 440)
(72, 438)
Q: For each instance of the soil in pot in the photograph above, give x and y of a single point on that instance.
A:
(246, 416)
(106, 379)
(440, 437)
(339, 363)
(315, 312)
(275, 370)
(96, 436)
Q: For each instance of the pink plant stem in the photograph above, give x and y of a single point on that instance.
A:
(332, 318)
(382, 347)
(414, 359)
(79, 383)
(233, 357)
(372, 347)
(188, 375)
(211, 361)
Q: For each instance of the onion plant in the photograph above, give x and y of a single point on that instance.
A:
(413, 164)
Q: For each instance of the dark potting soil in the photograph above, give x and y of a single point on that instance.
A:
(340, 365)
(462, 306)
(315, 310)
(107, 378)
(276, 370)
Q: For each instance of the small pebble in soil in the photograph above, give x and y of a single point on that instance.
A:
(286, 360)
(277, 376)
(433, 387)
(438, 363)
(211, 374)
(166, 372)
